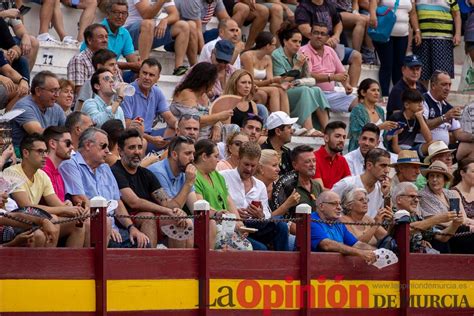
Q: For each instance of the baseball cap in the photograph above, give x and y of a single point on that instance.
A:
(279, 118)
(412, 61)
(224, 50)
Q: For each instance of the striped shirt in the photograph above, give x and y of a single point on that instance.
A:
(435, 18)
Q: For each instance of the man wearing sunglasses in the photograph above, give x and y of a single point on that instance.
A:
(59, 143)
(40, 108)
(38, 191)
(86, 175)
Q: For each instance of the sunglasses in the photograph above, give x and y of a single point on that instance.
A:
(191, 116)
(108, 78)
(66, 142)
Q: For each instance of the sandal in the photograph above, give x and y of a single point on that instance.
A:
(179, 71)
(314, 133)
(300, 131)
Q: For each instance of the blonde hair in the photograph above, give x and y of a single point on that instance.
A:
(265, 157)
(231, 86)
(63, 83)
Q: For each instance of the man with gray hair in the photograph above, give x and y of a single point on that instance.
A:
(40, 108)
(76, 123)
(86, 175)
(405, 197)
(335, 237)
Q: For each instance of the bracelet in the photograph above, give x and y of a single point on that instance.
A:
(23, 78)
(417, 30)
(130, 226)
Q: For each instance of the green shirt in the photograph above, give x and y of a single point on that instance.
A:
(309, 197)
(282, 64)
(216, 193)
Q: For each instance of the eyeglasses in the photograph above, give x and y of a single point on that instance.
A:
(119, 13)
(53, 91)
(66, 142)
(363, 200)
(335, 203)
(412, 196)
(41, 152)
(316, 33)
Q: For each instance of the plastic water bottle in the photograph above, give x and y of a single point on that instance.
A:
(128, 89)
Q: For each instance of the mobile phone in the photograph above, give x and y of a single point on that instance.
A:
(387, 201)
(248, 229)
(256, 203)
(400, 126)
(454, 205)
(24, 9)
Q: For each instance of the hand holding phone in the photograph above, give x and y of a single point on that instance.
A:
(454, 205)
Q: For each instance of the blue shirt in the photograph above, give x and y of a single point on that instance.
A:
(145, 107)
(121, 43)
(53, 116)
(79, 179)
(171, 184)
(337, 232)
(100, 112)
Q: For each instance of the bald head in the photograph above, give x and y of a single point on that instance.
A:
(328, 206)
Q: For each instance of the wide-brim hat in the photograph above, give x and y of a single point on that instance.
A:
(408, 157)
(437, 148)
(438, 167)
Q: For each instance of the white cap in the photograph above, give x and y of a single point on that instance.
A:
(279, 118)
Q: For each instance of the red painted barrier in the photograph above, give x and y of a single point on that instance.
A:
(205, 266)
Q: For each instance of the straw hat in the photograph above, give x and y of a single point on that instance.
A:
(408, 157)
(436, 148)
(437, 167)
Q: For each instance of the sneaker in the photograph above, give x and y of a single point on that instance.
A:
(46, 38)
(179, 71)
(68, 40)
(368, 56)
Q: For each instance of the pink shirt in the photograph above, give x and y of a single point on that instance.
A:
(56, 179)
(329, 63)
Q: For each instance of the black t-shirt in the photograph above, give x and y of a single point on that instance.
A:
(407, 137)
(308, 13)
(285, 161)
(395, 98)
(143, 182)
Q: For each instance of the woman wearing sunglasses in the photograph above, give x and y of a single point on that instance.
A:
(232, 146)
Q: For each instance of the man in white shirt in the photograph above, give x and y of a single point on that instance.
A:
(368, 139)
(441, 117)
(150, 28)
(374, 179)
(250, 197)
(228, 30)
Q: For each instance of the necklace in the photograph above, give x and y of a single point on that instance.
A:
(371, 110)
(410, 127)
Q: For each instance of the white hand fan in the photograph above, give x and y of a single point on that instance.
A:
(10, 180)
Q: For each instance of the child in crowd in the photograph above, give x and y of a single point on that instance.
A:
(410, 123)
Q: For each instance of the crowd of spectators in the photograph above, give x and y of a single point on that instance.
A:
(108, 130)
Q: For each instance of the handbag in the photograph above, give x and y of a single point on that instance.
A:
(386, 19)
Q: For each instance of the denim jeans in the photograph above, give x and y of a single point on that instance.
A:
(269, 233)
